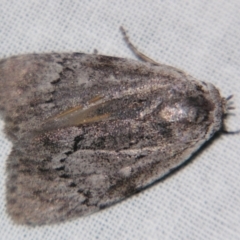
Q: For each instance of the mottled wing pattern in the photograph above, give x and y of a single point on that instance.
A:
(89, 130)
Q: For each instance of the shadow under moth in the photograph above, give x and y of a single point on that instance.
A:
(89, 130)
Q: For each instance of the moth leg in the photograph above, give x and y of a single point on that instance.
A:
(230, 132)
(139, 54)
(224, 130)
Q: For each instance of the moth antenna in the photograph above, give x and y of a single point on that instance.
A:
(139, 54)
(95, 51)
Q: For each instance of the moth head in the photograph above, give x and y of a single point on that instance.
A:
(193, 109)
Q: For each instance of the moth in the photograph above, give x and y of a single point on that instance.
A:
(90, 130)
